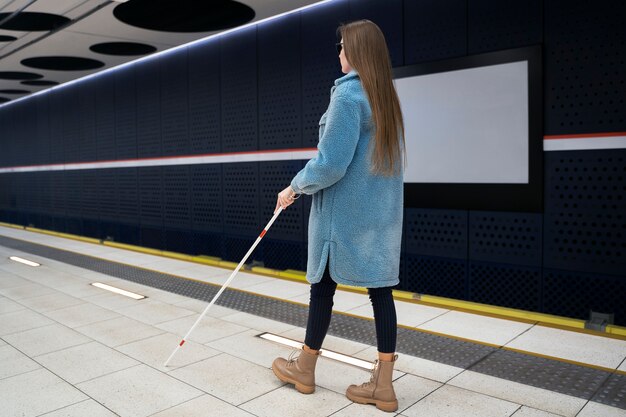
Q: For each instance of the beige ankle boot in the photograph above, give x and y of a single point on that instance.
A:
(299, 371)
(379, 390)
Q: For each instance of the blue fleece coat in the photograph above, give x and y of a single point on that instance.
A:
(356, 216)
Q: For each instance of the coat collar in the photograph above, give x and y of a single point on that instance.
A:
(352, 74)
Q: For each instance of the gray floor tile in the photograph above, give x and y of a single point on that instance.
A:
(85, 362)
(592, 409)
(9, 306)
(203, 406)
(449, 401)
(50, 302)
(155, 350)
(154, 312)
(26, 291)
(13, 362)
(139, 391)
(21, 320)
(81, 315)
(228, 378)
(251, 348)
(287, 402)
(118, 331)
(46, 339)
(37, 392)
(89, 408)
(208, 329)
(532, 412)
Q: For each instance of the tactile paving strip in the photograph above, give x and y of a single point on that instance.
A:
(575, 380)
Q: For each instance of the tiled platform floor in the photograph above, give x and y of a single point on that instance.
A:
(69, 349)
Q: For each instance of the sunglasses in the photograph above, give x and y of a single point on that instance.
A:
(339, 46)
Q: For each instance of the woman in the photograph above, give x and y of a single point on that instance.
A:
(355, 225)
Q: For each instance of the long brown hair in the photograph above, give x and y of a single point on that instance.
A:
(366, 51)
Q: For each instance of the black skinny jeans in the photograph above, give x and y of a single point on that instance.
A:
(321, 306)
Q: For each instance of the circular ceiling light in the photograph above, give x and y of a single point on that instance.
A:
(122, 48)
(184, 15)
(62, 63)
(33, 21)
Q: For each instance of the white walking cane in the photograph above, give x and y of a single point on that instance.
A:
(182, 342)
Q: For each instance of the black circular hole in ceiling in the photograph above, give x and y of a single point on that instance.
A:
(13, 75)
(14, 91)
(4, 99)
(122, 48)
(184, 15)
(62, 63)
(33, 21)
(39, 82)
(6, 38)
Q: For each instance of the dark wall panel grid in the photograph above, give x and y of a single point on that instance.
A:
(108, 196)
(238, 66)
(505, 285)
(204, 98)
(176, 197)
(575, 294)
(42, 135)
(104, 90)
(494, 25)
(279, 83)
(434, 232)
(127, 189)
(151, 202)
(85, 117)
(241, 198)
(320, 63)
(174, 103)
(148, 109)
(585, 63)
(206, 188)
(435, 276)
(585, 213)
(508, 238)
(434, 29)
(126, 114)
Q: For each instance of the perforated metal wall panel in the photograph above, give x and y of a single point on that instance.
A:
(434, 29)
(179, 240)
(107, 194)
(152, 237)
(388, 16)
(435, 276)
(127, 195)
(279, 84)
(204, 98)
(320, 63)
(575, 294)
(281, 255)
(176, 197)
(206, 198)
(174, 103)
(125, 114)
(90, 207)
(495, 25)
(58, 187)
(207, 243)
(73, 115)
(234, 248)
(585, 209)
(41, 140)
(150, 186)
(505, 285)
(148, 109)
(104, 90)
(57, 142)
(238, 58)
(435, 232)
(86, 120)
(584, 66)
(513, 238)
(241, 198)
(274, 177)
(73, 193)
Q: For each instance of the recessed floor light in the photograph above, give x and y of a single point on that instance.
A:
(324, 352)
(118, 291)
(24, 261)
